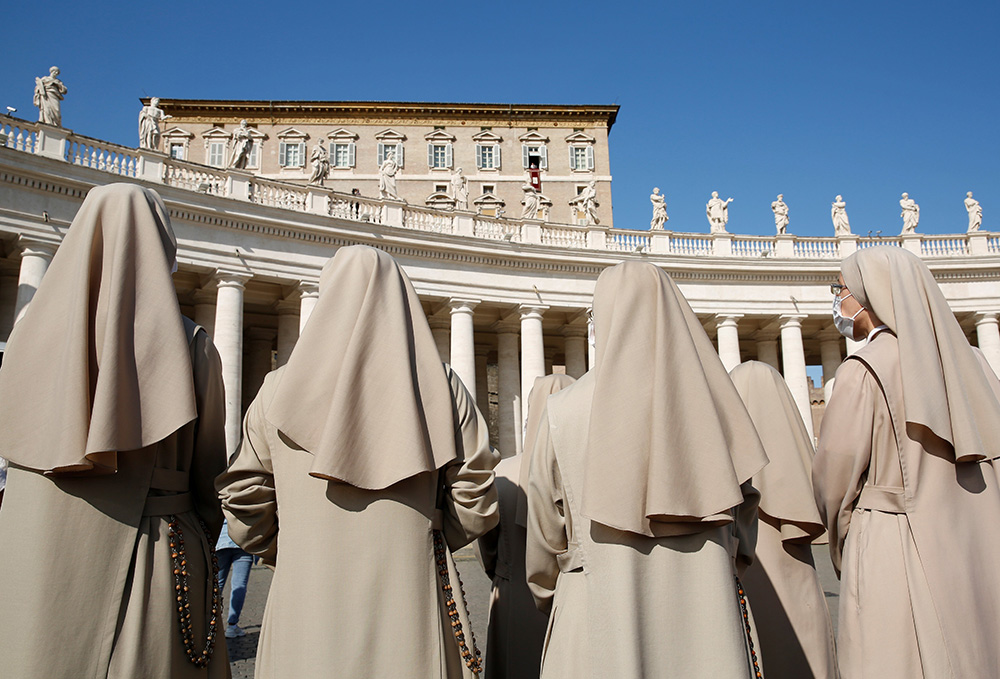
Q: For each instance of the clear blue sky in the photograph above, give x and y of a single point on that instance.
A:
(865, 99)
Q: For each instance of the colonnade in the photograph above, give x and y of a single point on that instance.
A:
(518, 343)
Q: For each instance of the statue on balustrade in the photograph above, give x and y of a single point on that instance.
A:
(780, 210)
(320, 160)
(460, 189)
(241, 146)
(149, 125)
(387, 177)
(838, 213)
(530, 201)
(587, 203)
(659, 210)
(910, 214)
(717, 211)
(975, 211)
(49, 92)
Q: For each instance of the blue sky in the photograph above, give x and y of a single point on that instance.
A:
(865, 99)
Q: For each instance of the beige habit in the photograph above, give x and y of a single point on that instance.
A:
(353, 453)
(113, 419)
(640, 510)
(517, 628)
(793, 621)
(906, 482)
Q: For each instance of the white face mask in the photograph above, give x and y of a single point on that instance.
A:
(845, 325)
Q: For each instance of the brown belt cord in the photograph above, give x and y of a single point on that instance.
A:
(746, 625)
(179, 556)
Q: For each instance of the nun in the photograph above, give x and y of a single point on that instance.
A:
(113, 420)
(793, 621)
(906, 481)
(641, 513)
(364, 465)
(516, 627)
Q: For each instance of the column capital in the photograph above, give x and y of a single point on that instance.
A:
(986, 317)
(483, 349)
(439, 323)
(792, 320)
(289, 304)
(205, 294)
(307, 289)
(527, 311)
(727, 320)
(506, 328)
(225, 278)
(27, 245)
(460, 305)
(574, 331)
(260, 334)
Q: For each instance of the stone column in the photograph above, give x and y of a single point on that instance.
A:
(508, 389)
(35, 258)
(767, 352)
(463, 342)
(532, 351)
(482, 379)
(309, 294)
(591, 347)
(829, 351)
(257, 348)
(988, 336)
(727, 326)
(576, 350)
(229, 341)
(204, 308)
(441, 329)
(794, 364)
(550, 360)
(288, 326)
(8, 297)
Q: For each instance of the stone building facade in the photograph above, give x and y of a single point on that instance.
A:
(493, 144)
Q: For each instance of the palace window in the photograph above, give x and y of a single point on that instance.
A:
(177, 151)
(488, 156)
(342, 155)
(536, 155)
(489, 188)
(439, 156)
(291, 154)
(440, 188)
(581, 158)
(253, 158)
(385, 148)
(217, 153)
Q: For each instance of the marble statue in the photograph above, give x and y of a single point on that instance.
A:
(530, 201)
(659, 209)
(780, 210)
(49, 92)
(717, 211)
(586, 203)
(241, 146)
(460, 189)
(320, 160)
(910, 214)
(975, 211)
(149, 124)
(838, 213)
(387, 177)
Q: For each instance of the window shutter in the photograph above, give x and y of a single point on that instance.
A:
(350, 154)
(572, 158)
(544, 165)
(590, 157)
(496, 156)
(479, 156)
(448, 155)
(282, 154)
(333, 154)
(524, 156)
(399, 154)
(430, 155)
(380, 158)
(302, 154)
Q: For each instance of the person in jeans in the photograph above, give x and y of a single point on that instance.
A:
(231, 556)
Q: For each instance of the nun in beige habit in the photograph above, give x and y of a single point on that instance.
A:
(793, 622)
(517, 628)
(112, 417)
(906, 480)
(640, 508)
(358, 456)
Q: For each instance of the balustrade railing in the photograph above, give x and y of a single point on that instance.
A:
(193, 177)
(60, 144)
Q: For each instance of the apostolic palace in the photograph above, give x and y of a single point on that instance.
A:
(500, 214)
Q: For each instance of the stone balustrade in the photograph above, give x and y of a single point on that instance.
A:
(65, 145)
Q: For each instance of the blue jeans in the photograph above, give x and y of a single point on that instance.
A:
(240, 562)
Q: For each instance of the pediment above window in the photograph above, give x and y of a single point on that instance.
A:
(533, 137)
(440, 199)
(489, 200)
(390, 136)
(439, 136)
(177, 133)
(580, 138)
(292, 134)
(216, 133)
(487, 137)
(342, 135)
